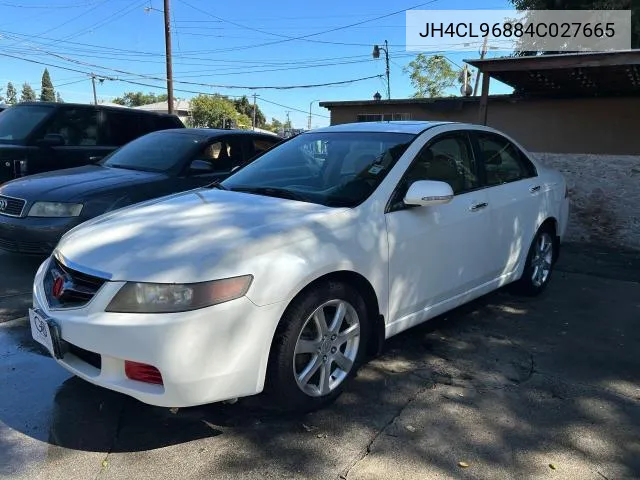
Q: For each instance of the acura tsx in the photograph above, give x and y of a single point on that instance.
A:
(286, 275)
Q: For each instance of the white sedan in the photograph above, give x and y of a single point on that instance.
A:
(286, 275)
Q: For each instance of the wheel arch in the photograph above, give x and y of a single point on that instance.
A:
(364, 288)
(552, 224)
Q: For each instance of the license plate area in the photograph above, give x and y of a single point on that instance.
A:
(46, 332)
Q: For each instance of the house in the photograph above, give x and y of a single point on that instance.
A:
(578, 113)
(181, 108)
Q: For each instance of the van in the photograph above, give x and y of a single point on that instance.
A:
(41, 136)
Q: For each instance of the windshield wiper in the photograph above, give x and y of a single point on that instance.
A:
(272, 192)
(217, 185)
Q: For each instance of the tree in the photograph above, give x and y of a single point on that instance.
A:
(634, 6)
(47, 93)
(275, 125)
(59, 98)
(431, 76)
(212, 111)
(12, 94)
(136, 99)
(245, 107)
(27, 95)
(1, 97)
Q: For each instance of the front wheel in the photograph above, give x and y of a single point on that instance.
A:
(539, 266)
(318, 346)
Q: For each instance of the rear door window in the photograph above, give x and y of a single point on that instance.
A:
(122, 127)
(78, 126)
(261, 144)
(503, 161)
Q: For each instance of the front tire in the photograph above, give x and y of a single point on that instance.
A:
(540, 262)
(319, 345)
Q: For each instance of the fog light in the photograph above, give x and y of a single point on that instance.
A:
(142, 372)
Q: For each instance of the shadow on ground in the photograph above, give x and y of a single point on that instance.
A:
(512, 387)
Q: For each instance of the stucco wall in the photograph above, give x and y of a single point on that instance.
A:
(605, 197)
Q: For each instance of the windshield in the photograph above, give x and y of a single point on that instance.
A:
(330, 168)
(16, 123)
(156, 152)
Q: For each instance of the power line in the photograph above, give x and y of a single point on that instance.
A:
(210, 85)
(286, 38)
(293, 108)
(50, 7)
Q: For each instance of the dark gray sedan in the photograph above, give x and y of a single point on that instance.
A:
(35, 211)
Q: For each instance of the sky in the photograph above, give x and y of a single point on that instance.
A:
(217, 45)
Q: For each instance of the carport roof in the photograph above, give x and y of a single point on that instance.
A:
(574, 74)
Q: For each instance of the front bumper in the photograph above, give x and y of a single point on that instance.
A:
(33, 235)
(204, 356)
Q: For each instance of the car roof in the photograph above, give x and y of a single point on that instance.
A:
(101, 107)
(211, 132)
(414, 127)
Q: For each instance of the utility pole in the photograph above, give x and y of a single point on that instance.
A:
(254, 110)
(386, 55)
(167, 40)
(310, 104)
(93, 82)
(483, 52)
(288, 121)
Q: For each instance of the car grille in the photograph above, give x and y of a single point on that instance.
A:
(11, 207)
(79, 288)
(24, 247)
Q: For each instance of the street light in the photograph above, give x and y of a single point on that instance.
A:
(310, 104)
(376, 54)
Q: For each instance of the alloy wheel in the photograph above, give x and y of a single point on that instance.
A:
(326, 348)
(542, 259)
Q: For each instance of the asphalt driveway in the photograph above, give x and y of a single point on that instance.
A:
(506, 387)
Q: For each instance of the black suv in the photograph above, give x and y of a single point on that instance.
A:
(39, 137)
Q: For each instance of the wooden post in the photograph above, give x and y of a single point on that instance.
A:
(484, 97)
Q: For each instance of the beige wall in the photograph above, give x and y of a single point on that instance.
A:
(595, 143)
(593, 125)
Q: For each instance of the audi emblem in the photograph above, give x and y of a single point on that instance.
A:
(3, 204)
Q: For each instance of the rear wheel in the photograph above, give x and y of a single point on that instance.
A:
(540, 263)
(319, 345)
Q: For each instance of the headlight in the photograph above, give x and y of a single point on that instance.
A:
(55, 209)
(165, 297)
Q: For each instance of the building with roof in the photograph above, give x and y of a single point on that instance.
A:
(578, 113)
(181, 108)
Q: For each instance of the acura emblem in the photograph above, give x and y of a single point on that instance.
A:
(3, 204)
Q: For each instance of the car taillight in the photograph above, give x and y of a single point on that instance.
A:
(142, 372)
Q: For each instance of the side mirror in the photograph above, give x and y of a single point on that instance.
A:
(52, 140)
(428, 193)
(198, 167)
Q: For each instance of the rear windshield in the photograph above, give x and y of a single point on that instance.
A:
(16, 123)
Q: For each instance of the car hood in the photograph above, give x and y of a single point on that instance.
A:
(74, 183)
(189, 237)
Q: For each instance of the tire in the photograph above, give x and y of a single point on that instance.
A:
(311, 361)
(539, 265)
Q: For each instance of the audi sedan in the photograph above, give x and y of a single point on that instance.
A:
(286, 275)
(36, 210)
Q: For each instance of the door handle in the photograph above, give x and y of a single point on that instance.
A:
(478, 206)
(534, 189)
